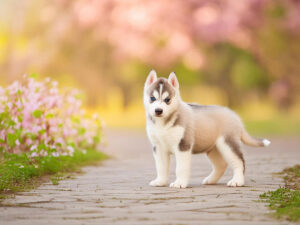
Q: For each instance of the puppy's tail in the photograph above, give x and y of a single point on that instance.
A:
(255, 142)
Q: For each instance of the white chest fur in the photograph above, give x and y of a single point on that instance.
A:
(166, 137)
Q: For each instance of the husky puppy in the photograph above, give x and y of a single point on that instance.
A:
(182, 129)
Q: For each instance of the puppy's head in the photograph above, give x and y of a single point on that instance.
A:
(161, 95)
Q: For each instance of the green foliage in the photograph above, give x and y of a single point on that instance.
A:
(55, 180)
(285, 202)
(19, 172)
(37, 113)
(11, 140)
(276, 10)
(273, 126)
(187, 76)
(293, 171)
(246, 73)
(235, 67)
(292, 177)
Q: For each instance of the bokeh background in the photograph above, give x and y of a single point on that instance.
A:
(242, 54)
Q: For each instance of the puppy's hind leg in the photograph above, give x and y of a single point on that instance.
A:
(230, 149)
(219, 166)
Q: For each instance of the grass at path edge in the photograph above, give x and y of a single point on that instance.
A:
(286, 200)
(20, 172)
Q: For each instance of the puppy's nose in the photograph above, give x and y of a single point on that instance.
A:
(158, 111)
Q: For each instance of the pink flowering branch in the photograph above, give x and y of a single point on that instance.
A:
(36, 118)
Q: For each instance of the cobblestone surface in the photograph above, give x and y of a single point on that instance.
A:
(117, 192)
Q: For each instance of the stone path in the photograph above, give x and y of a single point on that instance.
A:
(118, 193)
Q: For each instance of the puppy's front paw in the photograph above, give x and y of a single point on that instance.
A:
(158, 183)
(235, 183)
(208, 180)
(178, 184)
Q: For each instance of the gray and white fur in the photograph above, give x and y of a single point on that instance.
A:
(182, 129)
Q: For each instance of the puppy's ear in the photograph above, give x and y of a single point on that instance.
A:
(152, 77)
(173, 80)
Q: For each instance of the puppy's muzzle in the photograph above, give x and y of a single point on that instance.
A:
(158, 112)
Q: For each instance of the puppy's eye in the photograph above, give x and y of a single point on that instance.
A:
(167, 100)
(153, 99)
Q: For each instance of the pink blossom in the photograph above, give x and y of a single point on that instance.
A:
(34, 154)
(29, 142)
(17, 142)
(33, 147)
(70, 149)
(42, 115)
(55, 154)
